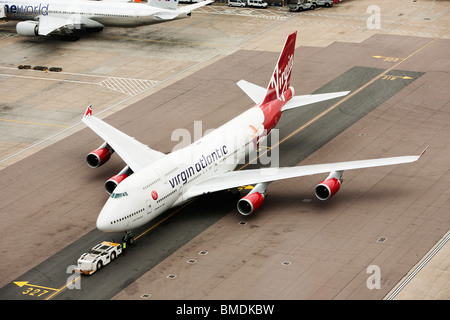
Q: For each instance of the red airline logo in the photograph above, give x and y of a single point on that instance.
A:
(88, 111)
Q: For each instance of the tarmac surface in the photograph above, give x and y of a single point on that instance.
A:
(294, 247)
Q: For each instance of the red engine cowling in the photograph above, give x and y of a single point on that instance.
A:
(327, 188)
(99, 156)
(250, 203)
(114, 181)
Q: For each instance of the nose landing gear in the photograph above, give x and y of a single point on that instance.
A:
(128, 238)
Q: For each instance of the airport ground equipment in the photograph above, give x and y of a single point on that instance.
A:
(99, 256)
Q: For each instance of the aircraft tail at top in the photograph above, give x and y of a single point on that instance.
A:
(281, 77)
(280, 83)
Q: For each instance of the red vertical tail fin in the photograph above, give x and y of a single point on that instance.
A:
(281, 77)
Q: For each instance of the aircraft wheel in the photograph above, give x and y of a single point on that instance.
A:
(128, 238)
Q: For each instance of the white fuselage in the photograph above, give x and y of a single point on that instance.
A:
(106, 13)
(162, 185)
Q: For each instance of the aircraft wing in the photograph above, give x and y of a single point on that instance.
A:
(135, 154)
(170, 14)
(191, 7)
(49, 23)
(166, 15)
(235, 179)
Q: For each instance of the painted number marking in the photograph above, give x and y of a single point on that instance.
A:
(388, 59)
(35, 292)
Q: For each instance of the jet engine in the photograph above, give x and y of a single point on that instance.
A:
(253, 200)
(99, 156)
(330, 186)
(28, 28)
(114, 181)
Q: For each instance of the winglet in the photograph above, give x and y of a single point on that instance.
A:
(423, 152)
(88, 111)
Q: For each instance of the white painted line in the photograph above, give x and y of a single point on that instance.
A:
(47, 79)
(123, 85)
(419, 267)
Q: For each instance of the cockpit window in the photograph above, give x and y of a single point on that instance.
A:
(119, 195)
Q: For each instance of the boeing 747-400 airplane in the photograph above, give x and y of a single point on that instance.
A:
(153, 182)
(44, 17)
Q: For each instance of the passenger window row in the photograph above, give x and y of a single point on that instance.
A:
(89, 14)
(152, 183)
(128, 216)
(171, 171)
(166, 196)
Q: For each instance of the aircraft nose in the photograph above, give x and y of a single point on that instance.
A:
(103, 224)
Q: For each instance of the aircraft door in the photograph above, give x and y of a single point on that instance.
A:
(149, 206)
(139, 18)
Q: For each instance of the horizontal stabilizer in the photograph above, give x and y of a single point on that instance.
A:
(299, 101)
(255, 92)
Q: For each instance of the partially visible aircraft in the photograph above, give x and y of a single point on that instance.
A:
(152, 182)
(44, 17)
